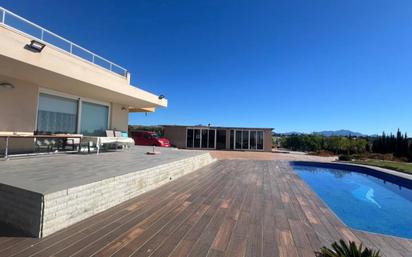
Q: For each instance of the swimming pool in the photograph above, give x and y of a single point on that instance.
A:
(363, 199)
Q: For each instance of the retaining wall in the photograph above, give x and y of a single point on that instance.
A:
(41, 215)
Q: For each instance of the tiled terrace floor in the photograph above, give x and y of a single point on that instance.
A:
(46, 174)
(230, 208)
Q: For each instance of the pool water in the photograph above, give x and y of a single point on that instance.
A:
(362, 201)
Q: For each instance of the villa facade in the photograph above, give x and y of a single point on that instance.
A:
(51, 85)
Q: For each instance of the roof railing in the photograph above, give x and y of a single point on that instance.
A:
(12, 20)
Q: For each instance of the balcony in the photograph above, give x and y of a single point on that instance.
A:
(15, 22)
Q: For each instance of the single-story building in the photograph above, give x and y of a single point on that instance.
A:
(51, 85)
(220, 138)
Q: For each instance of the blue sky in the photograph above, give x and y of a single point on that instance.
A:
(291, 65)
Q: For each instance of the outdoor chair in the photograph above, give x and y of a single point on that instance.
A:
(109, 133)
(47, 144)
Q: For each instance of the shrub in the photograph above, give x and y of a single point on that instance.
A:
(342, 249)
(345, 157)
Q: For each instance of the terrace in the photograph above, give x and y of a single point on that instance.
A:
(237, 206)
(13, 21)
(42, 195)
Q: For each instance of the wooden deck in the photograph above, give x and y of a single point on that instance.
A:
(230, 208)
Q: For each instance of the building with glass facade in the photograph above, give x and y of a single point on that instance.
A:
(220, 138)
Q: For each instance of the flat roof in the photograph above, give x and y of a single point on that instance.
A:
(216, 127)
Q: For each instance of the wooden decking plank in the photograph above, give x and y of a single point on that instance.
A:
(202, 244)
(300, 239)
(153, 243)
(221, 241)
(110, 231)
(254, 237)
(385, 247)
(150, 225)
(8, 250)
(137, 242)
(269, 245)
(140, 216)
(237, 243)
(185, 246)
(173, 240)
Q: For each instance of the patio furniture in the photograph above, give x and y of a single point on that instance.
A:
(115, 138)
(109, 133)
(48, 140)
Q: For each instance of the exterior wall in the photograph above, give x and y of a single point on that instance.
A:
(119, 118)
(176, 135)
(267, 141)
(18, 110)
(18, 106)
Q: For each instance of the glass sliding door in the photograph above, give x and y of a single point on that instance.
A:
(232, 140)
(212, 137)
(189, 139)
(238, 141)
(56, 114)
(260, 140)
(196, 143)
(245, 139)
(204, 138)
(94, 119)
(200, 138)
(252, 140)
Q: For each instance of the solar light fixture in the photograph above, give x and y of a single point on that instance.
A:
(6, 85)
(161, 97)
(35, 46)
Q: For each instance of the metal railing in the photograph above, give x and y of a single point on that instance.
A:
(11, 20)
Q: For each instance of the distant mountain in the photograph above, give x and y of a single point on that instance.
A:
(327, 133)
(289, 133)
(341, 133)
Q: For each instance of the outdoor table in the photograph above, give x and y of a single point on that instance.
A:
(7, 137)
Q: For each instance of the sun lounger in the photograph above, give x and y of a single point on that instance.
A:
(115, 138)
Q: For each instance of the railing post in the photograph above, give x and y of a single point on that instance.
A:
(4, 16)
(71, 48)
(111, 67)
(42, 34)
(93, 58)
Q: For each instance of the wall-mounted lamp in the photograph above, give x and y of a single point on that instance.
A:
(161, 97)
(6, 85)
(124, 108)
(35, 46)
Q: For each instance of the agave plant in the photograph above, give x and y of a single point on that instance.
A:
(342, 249)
